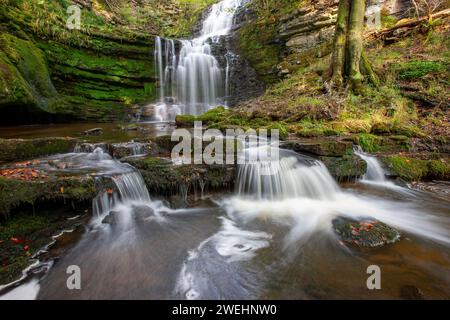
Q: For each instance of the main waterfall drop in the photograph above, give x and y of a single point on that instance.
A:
(192, 81)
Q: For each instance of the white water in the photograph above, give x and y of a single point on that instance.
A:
(375, 174)
(301, 194)
(285, 177)
(192, 82)
(375, 171)
(205, 273)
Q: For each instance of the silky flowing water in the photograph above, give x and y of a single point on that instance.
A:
(272, 238)
(272, 242)
(191, 81)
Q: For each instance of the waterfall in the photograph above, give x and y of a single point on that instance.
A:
(289, 176)
(193, 82)
(375, 172)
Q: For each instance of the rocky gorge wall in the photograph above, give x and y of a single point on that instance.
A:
(99, 72)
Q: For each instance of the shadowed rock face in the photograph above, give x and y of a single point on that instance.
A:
(243, 81)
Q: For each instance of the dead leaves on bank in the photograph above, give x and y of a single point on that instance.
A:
(23, 171)
(24, 174)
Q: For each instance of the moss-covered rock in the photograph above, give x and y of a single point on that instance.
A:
(345, 168)
(15, 193)
(24, 149)
(372, 143)
(164, 178)
(412, 169)
(320, 147)
(365, 233)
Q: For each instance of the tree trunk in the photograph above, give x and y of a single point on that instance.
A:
(355, 43)
(348, 46)
(340, 44)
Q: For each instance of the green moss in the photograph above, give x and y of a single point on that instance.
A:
(185, 120)
(408, 169)
(368, 142)
(67, 190)
(256, 45)
(438, 170)
(345, 168)
(417, 69)
(23, 73)
(21, 149)
(283, 130)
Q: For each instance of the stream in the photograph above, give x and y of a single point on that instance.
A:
(270, 238)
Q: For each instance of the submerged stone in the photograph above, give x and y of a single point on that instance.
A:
(365, 233)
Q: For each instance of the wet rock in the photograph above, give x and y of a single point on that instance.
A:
(130, 127)
(86, 147)
(320, 147)
(177, 202)
(66, 191)
(25, 149)
(93, 132)
(346, 168)
(122, 150)
(110, 218)
(141, 213)
(409, 292)
(164, 178)
(365, 233)
(164, 143)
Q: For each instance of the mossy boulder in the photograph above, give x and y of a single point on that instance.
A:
(320, 147)
(365, 233)
(345, 168)
(24, 149)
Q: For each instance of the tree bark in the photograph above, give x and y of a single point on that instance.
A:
(355, 43)
(340, 44)
(348, 61)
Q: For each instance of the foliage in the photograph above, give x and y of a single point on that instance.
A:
(417, 69)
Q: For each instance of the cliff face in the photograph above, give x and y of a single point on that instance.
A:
(99, 72)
